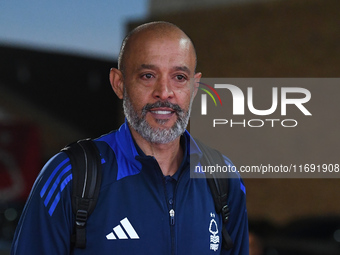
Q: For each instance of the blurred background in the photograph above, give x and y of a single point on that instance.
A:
(54, 63)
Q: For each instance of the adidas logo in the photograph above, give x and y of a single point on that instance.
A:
(119, 233)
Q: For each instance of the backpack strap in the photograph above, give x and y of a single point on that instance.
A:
(219, 187)
(86, 178)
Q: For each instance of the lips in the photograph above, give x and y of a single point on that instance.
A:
(162, 113)
(162, 110)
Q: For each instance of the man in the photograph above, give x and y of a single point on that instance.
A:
(148, 204)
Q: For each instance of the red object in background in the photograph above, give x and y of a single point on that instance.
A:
(20, 160)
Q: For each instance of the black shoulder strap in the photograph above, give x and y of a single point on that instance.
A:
(86, 177)
(219, 186)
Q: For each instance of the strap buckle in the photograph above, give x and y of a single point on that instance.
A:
(225, 213)
(81, 218)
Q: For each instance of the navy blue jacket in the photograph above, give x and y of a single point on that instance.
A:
(139, 211)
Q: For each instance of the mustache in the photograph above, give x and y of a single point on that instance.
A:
(166, 104)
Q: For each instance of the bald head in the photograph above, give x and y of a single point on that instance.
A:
(152, 30)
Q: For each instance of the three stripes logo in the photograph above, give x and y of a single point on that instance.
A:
(204, 97)
(123, 231)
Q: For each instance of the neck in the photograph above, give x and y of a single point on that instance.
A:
(169, 156)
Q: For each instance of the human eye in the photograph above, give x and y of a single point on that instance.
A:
(180, 77)
(147, 76)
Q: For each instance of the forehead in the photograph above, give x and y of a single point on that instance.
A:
(152, 49)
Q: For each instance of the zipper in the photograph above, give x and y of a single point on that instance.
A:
(172, 228)
(171, 211)
(172, 217)
(171, 220)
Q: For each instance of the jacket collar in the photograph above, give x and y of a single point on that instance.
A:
(127, 145)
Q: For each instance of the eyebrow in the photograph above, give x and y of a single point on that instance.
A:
(146, 66)
(176, 68)
(182, 68)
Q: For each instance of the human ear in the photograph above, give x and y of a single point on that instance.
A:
(117, 82)
(197, 78)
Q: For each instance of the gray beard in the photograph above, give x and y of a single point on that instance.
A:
(156, 135)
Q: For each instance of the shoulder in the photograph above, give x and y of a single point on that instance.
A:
(235, 180)
(237, 225)
(57, 169)
(53, 181)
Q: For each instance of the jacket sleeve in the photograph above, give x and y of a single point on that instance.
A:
(237, 225)
(45, 226)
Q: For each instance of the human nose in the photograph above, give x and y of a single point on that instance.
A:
(163, 90)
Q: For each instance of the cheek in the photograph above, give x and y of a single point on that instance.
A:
(138, 90)
(138, 104)
(183, 98)
(135, 92)
(137, 99)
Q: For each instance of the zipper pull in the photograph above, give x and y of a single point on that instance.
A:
(172, 217)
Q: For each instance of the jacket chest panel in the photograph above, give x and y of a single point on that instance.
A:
(137, 215)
